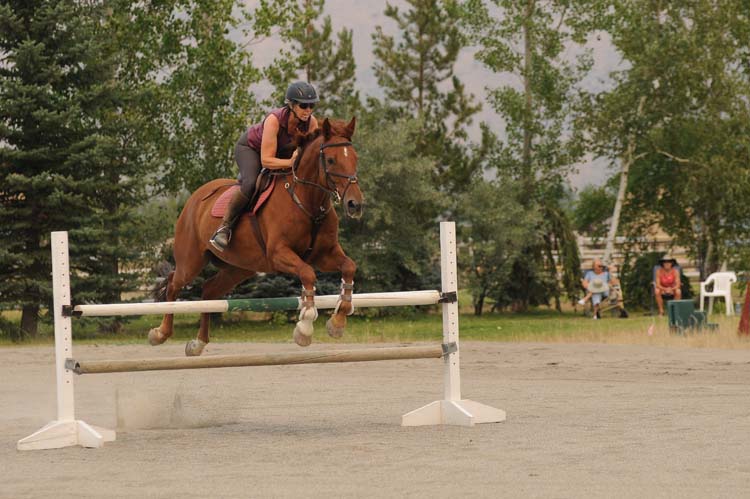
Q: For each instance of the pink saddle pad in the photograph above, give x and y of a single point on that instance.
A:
(220, 206)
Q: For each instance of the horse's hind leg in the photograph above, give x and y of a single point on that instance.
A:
(186, 270)
(331, 262)
(215, 287)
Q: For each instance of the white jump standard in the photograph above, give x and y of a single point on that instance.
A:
(67, 431)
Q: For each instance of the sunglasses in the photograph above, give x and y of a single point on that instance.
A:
(304, 105)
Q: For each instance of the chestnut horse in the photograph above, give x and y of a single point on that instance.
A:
(298, 225)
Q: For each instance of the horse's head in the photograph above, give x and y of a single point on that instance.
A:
(337, 161)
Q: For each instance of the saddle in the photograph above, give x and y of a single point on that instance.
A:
(263, 188)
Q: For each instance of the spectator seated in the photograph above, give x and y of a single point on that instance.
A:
(603, 290)
(666, 282)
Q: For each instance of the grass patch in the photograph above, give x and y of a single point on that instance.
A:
(416, 326)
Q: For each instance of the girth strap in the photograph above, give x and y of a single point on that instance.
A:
(317, 220)
(258, 233)
(309, 250)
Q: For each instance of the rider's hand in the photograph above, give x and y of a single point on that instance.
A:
(294, 157)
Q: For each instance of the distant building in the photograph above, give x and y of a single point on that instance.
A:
(656, 240)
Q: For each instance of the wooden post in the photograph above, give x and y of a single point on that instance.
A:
(452, 409)
(65, 430)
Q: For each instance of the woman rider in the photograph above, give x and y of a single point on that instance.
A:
(261, 145)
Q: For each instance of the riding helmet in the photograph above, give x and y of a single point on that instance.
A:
(302, 92)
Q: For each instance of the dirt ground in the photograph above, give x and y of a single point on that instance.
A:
(584, 420)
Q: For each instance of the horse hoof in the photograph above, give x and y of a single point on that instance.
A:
(155, 337)
(333, 330)
(302, 339)
(194, 348)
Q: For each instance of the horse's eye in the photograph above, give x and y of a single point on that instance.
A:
(330, 161)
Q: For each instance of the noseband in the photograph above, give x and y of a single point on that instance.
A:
(329, 188)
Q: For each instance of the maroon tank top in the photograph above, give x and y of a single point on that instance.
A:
(255, 132)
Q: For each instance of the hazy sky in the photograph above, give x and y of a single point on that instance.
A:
(361, 16)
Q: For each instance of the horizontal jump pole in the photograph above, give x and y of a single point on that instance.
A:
(266, 359)
(395, 299)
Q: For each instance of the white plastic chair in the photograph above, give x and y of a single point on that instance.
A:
(722, 287)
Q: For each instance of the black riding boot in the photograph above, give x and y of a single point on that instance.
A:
(238, 203)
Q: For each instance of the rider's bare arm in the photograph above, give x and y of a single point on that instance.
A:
(268, 146)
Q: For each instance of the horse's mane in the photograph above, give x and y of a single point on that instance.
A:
(338, 128)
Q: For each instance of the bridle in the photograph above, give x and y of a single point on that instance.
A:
(330, 187)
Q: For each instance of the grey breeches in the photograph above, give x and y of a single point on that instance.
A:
(248, 160)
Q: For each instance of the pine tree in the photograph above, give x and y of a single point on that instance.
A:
(313, 55)
(414, 69)
(63, 152)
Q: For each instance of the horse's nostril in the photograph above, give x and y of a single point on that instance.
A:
(354, 208)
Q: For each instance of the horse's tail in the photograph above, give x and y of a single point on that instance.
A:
(159, 291)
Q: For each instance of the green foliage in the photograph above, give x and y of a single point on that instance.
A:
(529, 40)
(543, 142)
(592, 210)
(562, 260)
(198, 77)
(494, 229)
(327, 64)
(637, 281)
(395, 242)
(413, 69)
(67, 162)
(685, 61)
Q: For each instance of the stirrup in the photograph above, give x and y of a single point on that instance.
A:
(221, 231)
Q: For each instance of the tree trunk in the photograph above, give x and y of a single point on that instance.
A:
(711, 263)
(621, 191)
(29, 323)
(308, 42)
(479, 302)
(527, 176)
(548, 250)
(627, 161)
(420, 84)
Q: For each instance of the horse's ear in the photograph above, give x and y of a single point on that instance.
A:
(349, 130)
(326, 129)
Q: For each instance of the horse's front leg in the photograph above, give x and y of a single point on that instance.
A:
(287, 261)
(337, 260)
